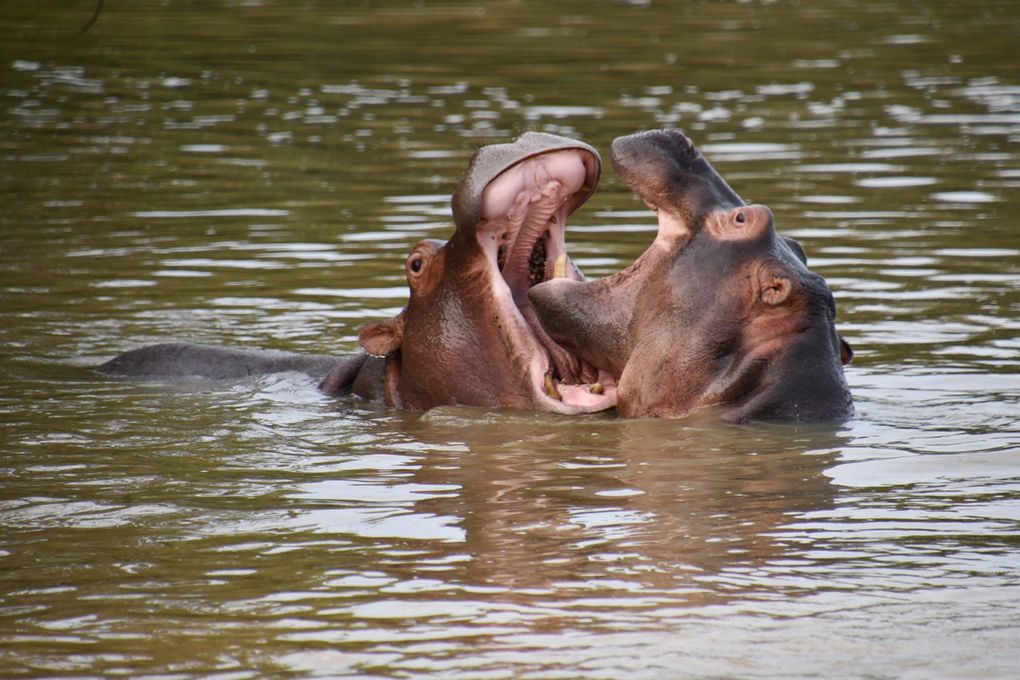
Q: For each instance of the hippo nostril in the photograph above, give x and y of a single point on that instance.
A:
(740, 217)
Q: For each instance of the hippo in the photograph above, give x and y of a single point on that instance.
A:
(468, 335)
(719, 313)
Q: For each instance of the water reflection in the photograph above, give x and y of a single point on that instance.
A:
(255, 173)
(646, 497)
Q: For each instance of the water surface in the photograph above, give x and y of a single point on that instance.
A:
(253, 173)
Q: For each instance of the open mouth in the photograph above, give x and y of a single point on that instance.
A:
(536, 263)
(522, 231)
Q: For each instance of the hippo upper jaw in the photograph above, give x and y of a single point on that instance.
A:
(521, 232)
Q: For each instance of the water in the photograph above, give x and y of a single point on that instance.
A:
(253, 173)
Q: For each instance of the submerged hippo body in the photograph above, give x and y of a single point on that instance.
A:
(468, 335)
(719, 312)
(181, 359)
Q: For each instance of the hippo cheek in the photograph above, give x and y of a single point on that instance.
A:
(434, 348)
(447, 358)
(671, 373)
(793, 338)
(802, 382)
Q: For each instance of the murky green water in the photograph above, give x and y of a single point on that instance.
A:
(252, 173)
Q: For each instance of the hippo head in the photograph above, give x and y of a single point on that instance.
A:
(720, 311)
(468, 334)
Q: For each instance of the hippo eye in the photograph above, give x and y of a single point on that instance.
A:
(416, 263)
(740, 218)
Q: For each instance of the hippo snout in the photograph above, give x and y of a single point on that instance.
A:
(557, 303)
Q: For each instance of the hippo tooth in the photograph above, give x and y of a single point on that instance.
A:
(560, 267)
(550, 387)
(597, 388)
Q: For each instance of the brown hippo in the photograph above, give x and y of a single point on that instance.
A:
(468, 335)
(719, 312)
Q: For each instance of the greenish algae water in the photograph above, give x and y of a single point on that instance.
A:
(253, 173)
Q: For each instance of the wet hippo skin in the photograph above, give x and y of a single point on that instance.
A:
(177, 359)
(719, 312)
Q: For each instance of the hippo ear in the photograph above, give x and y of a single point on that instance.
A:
(795, 246)
(846, 352)
(383, 337)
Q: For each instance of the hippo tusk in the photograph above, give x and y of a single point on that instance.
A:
(560, 267)
(550, 388)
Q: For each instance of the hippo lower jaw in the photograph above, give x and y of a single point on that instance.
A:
(522, 234)
(549, 391)
(554, 389)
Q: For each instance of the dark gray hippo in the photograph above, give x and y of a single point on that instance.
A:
(468, 335)
(719, 312)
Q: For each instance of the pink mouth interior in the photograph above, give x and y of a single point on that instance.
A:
(522, 230)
